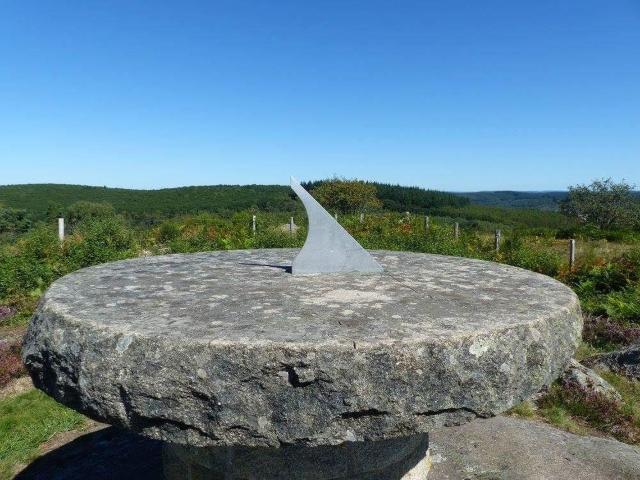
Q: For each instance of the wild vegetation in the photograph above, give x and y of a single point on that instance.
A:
(606, 275)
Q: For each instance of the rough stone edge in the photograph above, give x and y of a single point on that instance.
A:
(54, 369)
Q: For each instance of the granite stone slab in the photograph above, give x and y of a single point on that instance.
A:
(229, 348)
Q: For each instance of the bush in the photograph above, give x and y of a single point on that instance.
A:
(31, 265)
(517, 252)
(14, 221)
(83, 211)
(98, 241)
(624, 305)
(607, 334)
(205, 233)
(167, 231)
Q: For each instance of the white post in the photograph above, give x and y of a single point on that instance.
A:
(426, 223)
(362, 218)
(336, 215)
(456, 230)
(498, 236)
(291, 225)
(572, 253)
(253, 224)
(61, 229)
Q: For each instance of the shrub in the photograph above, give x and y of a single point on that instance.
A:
(10, 363)
(607, 334)
(30, 265)
(517, 252)
(99, 241)
(168, 231)
(624, 305)
(599, 279)
(594, 408)
(83, 211)
(14, 221)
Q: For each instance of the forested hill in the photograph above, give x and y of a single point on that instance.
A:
(42, 200)
(412, 199)
(540, 200)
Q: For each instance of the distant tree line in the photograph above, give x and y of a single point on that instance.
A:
(47, 201)
(602, 206)
(396, 197)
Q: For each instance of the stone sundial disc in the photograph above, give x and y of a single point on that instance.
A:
(228, 348)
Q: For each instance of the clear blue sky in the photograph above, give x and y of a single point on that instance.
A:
(455, 95)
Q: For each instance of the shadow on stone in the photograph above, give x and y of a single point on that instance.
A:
(107, 454)
(286, 268)
(111, 454)
(404, 458)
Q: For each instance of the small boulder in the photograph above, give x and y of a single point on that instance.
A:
(625, 362)
(578, 374)
(508, 448)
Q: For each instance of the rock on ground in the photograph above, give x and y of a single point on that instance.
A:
(509, 448)
(625, 362)
(586, 378)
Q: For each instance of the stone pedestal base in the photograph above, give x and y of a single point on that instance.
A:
(396, 459)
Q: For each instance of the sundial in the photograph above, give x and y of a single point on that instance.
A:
(329, 248)
(334, 369)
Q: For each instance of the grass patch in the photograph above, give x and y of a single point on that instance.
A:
(26, 421)
(586, 350)
(525, 409)
(559, 416)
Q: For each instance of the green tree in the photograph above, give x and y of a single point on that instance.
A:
(82, 211)
(605, 204)
(347, 196)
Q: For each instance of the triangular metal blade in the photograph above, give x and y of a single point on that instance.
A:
(329, 248)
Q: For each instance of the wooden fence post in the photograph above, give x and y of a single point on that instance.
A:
(498, 237)
(253, 224)
(456, 230)
(61, 229)
(572, 253)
